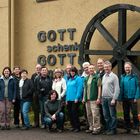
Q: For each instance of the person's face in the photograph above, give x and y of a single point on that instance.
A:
(44, 71)
(16, 71)
(58, 74)
(24, 75)
(6, 73)
(127, 68)
(107, 68)
(53, 96)
(38, 69)
(72, 73)
(68, 69)
(91, 69)
(85, 68)
(100, 64)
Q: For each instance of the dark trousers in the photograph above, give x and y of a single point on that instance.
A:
(73, 114)
(17, 112)
(42, 101)
(102, 116)
(85, 116)
(36, 110)
(130, 105)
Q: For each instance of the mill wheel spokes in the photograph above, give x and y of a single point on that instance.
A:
(121, 49)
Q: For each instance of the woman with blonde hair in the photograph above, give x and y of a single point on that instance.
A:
(59, 83)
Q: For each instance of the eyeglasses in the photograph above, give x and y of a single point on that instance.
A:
(85, 68)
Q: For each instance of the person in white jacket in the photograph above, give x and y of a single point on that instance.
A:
(59, 83)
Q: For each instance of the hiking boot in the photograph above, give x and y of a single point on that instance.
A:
(8, 127)
(2, 128)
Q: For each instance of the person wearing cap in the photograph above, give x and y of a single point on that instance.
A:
(59, 83)
(73, 97)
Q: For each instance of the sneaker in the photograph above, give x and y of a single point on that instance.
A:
(59, 130)
(105, 132)
(71, 129)
(95, 132)
(135, 132)
(76, 130)
(128, 131)
(16, 126)
(43, 126)
(112, 132)
(88, 131)
(36, 126)
(25, 128)
(49, 130)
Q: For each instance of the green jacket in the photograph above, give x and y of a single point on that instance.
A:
(93, 88)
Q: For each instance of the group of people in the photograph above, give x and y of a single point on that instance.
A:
(98, 89)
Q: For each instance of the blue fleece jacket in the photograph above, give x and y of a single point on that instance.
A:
(129, 87)
(74, 89)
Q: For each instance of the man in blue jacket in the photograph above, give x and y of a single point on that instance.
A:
(129, 96)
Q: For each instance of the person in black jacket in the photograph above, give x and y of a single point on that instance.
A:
(26, 95)
(44, 86)
(53, 110)
(16, 76)
(35, 96)
(100, 73)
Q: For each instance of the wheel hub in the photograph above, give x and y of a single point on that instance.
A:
(119, 53)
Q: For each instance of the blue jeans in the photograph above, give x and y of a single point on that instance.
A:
(25, 107)
(42, 101)
(59, 121)
(109, 112)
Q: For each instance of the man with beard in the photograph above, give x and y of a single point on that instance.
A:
(129, 95)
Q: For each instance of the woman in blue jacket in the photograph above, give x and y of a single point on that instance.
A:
(7, 97)
(73, 96)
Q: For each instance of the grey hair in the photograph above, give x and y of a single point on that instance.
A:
(108, 63)
(129, 63)
(85, 63)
